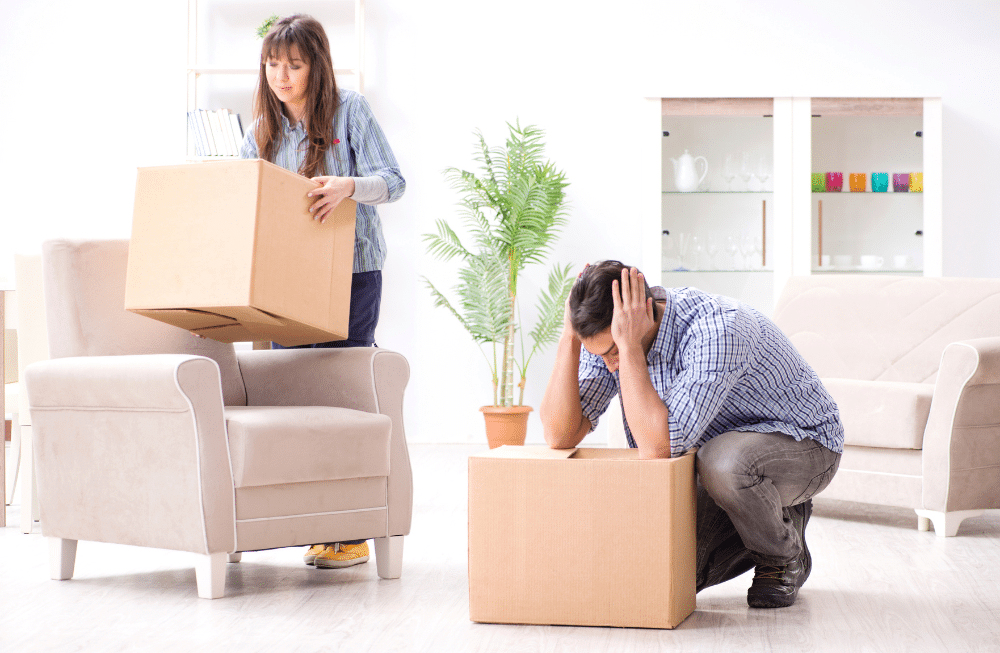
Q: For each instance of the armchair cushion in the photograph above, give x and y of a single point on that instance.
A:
(882, 413)
(271, 445)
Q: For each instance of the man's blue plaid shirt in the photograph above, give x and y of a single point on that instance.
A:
(720, 366)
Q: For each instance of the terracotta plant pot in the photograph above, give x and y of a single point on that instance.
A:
(506, 424)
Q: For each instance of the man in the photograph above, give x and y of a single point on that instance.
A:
(695, 370)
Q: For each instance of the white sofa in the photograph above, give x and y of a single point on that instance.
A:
(914, 365)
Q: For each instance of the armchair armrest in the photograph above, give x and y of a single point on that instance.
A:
(961, 447)
(363, 378)
(133, 450)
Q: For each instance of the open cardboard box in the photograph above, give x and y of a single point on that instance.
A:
(229, 250)
(586, 537)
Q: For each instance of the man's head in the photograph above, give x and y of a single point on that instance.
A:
(592, 307)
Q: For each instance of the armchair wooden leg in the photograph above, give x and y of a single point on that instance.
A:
(236, 557)
(28, 499)
(210, 571)
(389, 556)
(945, 523)
(15, 458)
(62, 558)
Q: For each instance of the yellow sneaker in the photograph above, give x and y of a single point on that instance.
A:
(310, 556)
(342, 555)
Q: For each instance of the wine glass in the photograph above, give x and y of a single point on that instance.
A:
(746, 170)
(733, 249)
(711, 250)
(683, 245)
(729, 171)
(747, 250)
(763, 171)
(697, 252)
(671, 257)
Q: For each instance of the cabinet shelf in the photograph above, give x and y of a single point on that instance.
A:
(686, 271)
(868, 193)
(720, 192)
(860, 270)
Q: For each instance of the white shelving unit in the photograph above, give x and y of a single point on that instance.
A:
(198, 71)
(795, 136)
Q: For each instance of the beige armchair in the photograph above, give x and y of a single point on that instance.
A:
(147, 435)
(914, 365)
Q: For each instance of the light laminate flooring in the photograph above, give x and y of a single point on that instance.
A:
(877, 584)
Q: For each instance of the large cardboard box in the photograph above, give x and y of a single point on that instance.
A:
(228, 249)
(587, 537)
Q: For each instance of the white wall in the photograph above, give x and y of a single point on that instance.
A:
(95, 89)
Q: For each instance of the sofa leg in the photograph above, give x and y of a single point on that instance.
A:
(210, 571)
(62, 558)
(945, 523)
(235, 557)
(389, 556)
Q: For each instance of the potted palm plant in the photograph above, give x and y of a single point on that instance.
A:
(513, 208)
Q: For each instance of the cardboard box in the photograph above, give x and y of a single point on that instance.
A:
(586, 537)
(228, 249)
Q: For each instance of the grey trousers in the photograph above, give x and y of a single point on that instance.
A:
(754, 500)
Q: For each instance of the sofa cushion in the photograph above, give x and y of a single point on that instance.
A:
(882, 413)
(296, 444)
(884, 328)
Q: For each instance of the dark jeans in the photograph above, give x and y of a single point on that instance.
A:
(366, 299)
(754, 500)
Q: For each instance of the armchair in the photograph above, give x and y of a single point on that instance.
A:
(149, 436)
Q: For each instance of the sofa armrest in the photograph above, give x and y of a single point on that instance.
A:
(961, 451)
(368, 379)
(133, 450)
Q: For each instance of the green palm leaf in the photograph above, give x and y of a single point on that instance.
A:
(513, 209)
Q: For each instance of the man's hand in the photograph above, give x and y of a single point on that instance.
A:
(633, 311)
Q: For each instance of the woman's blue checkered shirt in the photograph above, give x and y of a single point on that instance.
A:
(363, 151)
(720, 366)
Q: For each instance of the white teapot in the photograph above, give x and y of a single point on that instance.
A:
(685, 175)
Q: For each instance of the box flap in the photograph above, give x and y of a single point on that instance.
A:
(539, 452)
(233, 332)
(250, 315)
(189, 319)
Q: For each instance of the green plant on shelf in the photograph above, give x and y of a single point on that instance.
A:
(266, 26)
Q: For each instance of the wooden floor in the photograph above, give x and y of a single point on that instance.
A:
(877, 585)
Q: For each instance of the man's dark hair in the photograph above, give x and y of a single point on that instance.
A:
(591, 306)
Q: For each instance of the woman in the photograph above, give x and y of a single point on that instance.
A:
(304, 123)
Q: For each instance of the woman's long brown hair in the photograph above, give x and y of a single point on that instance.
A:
(321, 94)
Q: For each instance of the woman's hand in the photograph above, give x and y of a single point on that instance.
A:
(633, 312)
(332, 191)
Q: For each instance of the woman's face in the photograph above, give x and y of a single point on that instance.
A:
(289, 79)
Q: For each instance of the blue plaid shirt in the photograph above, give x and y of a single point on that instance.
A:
(363, 151)
(720, 366)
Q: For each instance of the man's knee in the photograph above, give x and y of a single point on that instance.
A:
(722, 466)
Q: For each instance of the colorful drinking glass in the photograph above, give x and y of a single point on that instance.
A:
(859, 182)
(834, 182)
(818, 182)
(916, 182)
(880, 182)
(900, 182)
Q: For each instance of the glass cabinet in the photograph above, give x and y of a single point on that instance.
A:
(867, 187)
(756, 190)
(717, 185)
